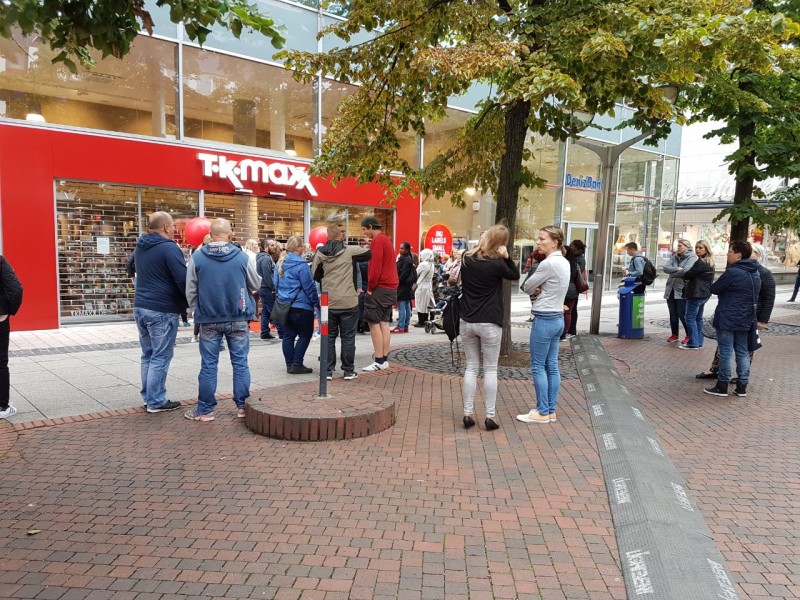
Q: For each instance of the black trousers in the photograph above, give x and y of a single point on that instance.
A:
(342, 323)
(5, 381)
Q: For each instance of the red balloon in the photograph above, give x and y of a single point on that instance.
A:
(196, 230)
(318, 235)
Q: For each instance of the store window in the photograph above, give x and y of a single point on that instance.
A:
(336, 92)
(583, 185)
(257, 217)
(238, 101)
(637, 207)
(356, 213)
(135, 95)
(97, 226)
(442, 135)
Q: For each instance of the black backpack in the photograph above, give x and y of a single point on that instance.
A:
(649, 272)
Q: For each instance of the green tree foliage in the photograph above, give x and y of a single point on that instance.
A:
(542, 60)
(760, 109)
(74, 27)
(787, 213)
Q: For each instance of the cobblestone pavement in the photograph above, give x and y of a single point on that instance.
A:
(437, 358)
(126, 505)
(157, 507)
(740, 456)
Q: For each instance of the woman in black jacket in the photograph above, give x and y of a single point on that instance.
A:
(698, 281)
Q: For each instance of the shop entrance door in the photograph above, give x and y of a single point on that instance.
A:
(586, 232)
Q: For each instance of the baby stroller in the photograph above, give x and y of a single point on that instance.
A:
(435, 321)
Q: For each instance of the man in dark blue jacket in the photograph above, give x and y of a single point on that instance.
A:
(220, 282)
(159, 299)
(737, 290)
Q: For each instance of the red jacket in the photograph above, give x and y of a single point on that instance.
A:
(382, 269)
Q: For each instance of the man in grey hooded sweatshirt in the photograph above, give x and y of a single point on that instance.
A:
(333, 268)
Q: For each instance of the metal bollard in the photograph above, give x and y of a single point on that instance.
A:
(323, 349)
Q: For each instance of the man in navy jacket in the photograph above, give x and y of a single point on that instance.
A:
(737, 289)
(159, 299)
(220, 283)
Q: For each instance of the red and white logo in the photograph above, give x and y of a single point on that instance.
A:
(237, 172)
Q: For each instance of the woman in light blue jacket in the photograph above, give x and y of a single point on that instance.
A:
(678, 264)
(293, 283)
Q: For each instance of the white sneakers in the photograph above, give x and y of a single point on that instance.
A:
(535, 417)
(376, 366)
(9, 412)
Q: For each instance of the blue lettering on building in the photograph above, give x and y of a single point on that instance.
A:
(584, 183)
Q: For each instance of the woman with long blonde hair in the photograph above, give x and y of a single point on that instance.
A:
(696, 292)
(483, 270)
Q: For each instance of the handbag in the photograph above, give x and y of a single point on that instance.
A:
(753, 338)
(580, 282)
(281, 308)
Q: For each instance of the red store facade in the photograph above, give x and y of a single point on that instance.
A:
(73, 204)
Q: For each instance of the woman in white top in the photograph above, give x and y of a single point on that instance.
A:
(547, 288)
(424, 294)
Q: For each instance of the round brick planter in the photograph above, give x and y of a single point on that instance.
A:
(296, 413)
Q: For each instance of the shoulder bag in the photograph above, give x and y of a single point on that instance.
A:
(280, 311)
(753, 337)
(580, 282)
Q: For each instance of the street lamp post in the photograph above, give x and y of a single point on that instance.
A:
(608, 160)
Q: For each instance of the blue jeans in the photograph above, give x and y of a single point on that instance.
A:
(267, 302)
(545, 331)
(730, 344)
(404, 310)
(237, 335)
(297, 332)
(694, 320)
(677, 311)
(157, 333)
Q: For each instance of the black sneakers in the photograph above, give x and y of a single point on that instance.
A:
(741, 390)
(167, 406)
(721, 389)
(299, 370)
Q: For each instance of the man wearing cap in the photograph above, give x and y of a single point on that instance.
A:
(382, 282)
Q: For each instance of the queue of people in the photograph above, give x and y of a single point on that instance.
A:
(220, 285)
(745, 294)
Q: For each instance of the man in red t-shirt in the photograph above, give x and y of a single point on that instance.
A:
(381, 291)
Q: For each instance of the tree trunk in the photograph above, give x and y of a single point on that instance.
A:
(516, 130)
(743, 192)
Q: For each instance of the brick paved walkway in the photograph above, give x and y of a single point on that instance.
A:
(740, 456)
(157, 507)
